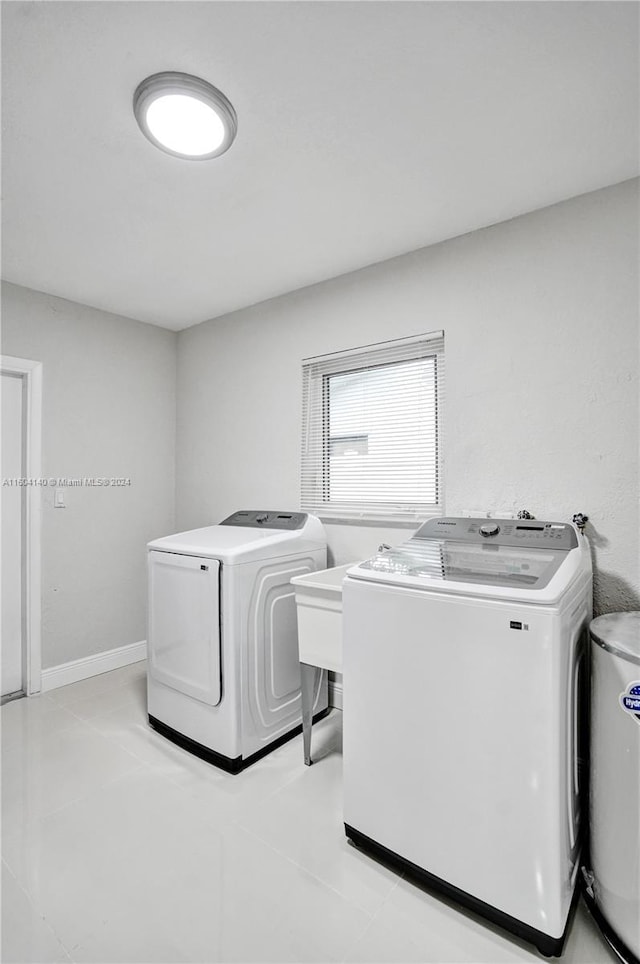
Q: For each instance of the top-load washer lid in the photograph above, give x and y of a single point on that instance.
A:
(256, 535)
(532, 561)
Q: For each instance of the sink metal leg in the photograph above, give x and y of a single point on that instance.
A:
(308, 675)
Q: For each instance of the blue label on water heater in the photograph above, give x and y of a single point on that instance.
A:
(630, 700)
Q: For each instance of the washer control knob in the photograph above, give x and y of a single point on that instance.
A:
(262, 518)
(489, 529)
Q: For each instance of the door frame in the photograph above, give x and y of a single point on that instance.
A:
(31, 375)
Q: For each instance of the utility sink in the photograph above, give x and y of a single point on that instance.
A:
(319, 607)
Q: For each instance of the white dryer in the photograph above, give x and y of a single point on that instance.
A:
(462, 656)
(223, 673)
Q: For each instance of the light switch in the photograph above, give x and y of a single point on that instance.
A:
(58, 499)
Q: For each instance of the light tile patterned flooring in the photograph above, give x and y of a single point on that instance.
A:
(118, 846)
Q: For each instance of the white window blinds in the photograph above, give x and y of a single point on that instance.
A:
(371, 436)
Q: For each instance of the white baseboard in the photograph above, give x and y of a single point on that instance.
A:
(335, 693)
(86, 666)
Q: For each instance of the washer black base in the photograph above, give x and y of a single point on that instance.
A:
(230, 764)
(549, 946)
(617, 945)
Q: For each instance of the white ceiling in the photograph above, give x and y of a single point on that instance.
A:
(366, 129)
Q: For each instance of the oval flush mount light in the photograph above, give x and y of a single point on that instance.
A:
(184, 116)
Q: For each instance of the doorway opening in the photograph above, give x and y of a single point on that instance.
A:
(21, 415)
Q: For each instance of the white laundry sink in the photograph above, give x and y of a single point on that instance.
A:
(319, 607)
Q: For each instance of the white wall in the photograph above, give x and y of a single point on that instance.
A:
(541, 326)
(108, 411)
(541, 341)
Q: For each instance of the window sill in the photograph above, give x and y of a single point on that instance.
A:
(377, 522)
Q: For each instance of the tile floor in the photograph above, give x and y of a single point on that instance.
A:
(118, 846)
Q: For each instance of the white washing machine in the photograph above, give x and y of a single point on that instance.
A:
(462, 656)
(223, 669)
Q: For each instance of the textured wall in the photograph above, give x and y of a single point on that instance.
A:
(541, 339)
(108, 410)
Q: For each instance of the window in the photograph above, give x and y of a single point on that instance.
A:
(371, 446)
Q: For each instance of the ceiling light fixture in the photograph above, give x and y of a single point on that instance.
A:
(184, 116)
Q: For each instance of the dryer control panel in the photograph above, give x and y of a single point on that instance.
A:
(266, 519)
(504, 532)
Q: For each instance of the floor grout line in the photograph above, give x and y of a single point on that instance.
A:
(310, 873)
(360, 937)
(42, 917)
(41, 817)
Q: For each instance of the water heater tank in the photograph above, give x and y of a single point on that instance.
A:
(615, 779)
